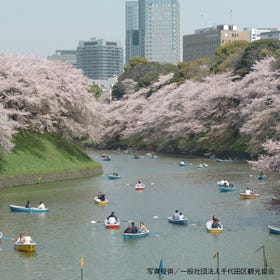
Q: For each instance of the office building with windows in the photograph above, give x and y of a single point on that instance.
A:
(256, 33)
(159, 30)
(100, 59)
(205, 41)
(132, 46)
(275, 34)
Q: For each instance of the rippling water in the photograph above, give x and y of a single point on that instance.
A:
(66, 232)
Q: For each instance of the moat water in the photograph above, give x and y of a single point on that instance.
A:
(67, 231)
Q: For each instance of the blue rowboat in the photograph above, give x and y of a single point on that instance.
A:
(113, 177)
(15, 208)
(274, 229)
(262, 177)
(140, 234)
(177, 222)
(227, 189)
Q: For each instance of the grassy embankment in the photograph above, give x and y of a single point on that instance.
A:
(40, 158)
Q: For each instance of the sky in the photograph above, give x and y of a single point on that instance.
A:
(40, 27)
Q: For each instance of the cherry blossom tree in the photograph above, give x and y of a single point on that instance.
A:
(46, 96)
(217, 113)
(269, 161)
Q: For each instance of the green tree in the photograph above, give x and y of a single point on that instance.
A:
(118, 91)
(228, 56)
(256, 51)
(193, 70)
(96, 90)
(135, 61)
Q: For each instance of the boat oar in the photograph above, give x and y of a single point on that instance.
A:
(91, 201)
(5, 238)
(40, 244)
(227, 228)
(96, 222)
(194, 223)
(160, 218)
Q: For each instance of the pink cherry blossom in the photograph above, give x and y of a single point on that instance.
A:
(171, 113)
(46, 96)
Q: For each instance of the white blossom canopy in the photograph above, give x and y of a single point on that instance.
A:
(46, 96)
(250, 105)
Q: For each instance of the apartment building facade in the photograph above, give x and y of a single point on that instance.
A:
(204, 42)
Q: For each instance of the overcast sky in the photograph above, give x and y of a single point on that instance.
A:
(39, 27)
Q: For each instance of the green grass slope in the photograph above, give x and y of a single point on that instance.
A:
(43, 154)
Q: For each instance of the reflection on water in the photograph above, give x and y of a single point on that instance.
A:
(25, 254)
(66, 232)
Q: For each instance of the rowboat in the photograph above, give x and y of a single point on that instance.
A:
(227, 189)
(101, 202)
(275, 200)
(140, 234)
(224, 183)
(227, 160)
(109, 225)
(178, 222)
(210, 229)
(262, 177)
(202, 165)
(182, 163)
(139, 186)
(113, 177)
(274, 229)
(15, 208)
(249, 196)
(25, 247)
(107, 158)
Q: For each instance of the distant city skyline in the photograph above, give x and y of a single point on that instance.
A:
(41, 27)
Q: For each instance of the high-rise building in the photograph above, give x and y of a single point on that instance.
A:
(159, 30)
(205, 41)
(132, 46)
(100, 59)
